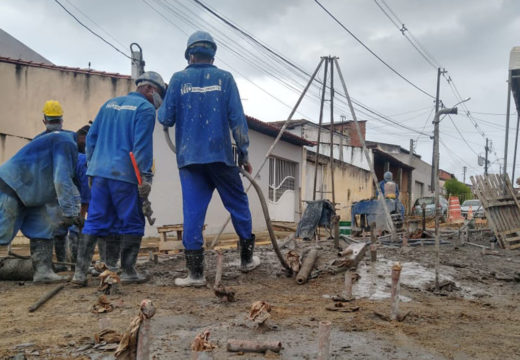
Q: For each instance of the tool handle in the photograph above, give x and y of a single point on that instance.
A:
(136, 169)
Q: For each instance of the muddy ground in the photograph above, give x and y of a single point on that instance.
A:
(475, 317)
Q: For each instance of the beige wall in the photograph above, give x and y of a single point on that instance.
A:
(351, 184)
(25, 88)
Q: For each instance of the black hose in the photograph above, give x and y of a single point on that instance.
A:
(267, 219)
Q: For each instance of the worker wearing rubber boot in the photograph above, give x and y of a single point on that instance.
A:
(123, 124)
(41, 173)
(84, 190)
(388, 187)
(203, 103)
(53, 121)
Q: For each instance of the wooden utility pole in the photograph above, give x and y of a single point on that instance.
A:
(507, 120)
(434, 181)
(486, 163)
(464, 168)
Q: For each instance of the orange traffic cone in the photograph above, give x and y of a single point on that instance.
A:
(470, 213)
(454, 213)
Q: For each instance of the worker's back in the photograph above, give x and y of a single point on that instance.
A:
(205, 105)
(43, 168)
(123, 124)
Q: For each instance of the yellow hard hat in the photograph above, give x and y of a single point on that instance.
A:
(52, 108)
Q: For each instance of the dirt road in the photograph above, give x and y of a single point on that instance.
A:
(476, 316)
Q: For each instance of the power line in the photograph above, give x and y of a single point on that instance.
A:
(370, 50)
(90, 30)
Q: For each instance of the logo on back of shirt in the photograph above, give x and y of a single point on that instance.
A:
(188, 88)
(117, 107)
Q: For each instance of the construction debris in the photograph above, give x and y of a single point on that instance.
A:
(109, 282)
(355, 252)
(307, 265)
(108, 336)
(220, 291)
(202, 343)
(396, 273)
(129, 348)
(260, 312)
(102, 305)
(234, 345)
(293, 259)
(324, 340)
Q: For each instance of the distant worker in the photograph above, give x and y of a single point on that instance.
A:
(204, 104)
(41, 173)
(123, 124)
(388, 187)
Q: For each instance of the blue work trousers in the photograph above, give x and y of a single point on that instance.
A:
(198, 182)
(114, 208)
(34, 222)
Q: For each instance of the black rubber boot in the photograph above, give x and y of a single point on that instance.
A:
(248, 262)
(130, 245)
(87, 243)
(73, 241)
(102, 249)
(112, 251)
(60, 251)
(41, 256)
(195, 266)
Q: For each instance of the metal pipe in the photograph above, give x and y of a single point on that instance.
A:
(306, 268)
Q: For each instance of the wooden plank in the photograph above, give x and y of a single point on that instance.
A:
(496, 203)
(507, 232)
(477, 185)
(513, 194)
(512, 247)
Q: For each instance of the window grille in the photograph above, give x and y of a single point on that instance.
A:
(282, 177)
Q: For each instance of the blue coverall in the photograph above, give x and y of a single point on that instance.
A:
(203, 103)
(41, 173)
(123, 124)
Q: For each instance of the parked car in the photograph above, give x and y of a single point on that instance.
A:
(429, 201)
(476, 207)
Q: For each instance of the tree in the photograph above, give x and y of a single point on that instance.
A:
(456, 188)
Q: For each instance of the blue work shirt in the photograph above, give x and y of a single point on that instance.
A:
(204, 104)
(70, 133)
(82, 178)
(43, 170)
(123, 124)
(382, 188)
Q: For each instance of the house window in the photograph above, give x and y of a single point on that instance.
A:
(282, 177)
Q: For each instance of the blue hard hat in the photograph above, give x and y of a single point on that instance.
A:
(200, 42)
(388, 176)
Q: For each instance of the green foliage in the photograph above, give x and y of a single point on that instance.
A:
(456, 188)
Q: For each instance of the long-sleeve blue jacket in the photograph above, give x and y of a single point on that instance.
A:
(123, 124)
(43, 171)
(82, 178)
(204, 104)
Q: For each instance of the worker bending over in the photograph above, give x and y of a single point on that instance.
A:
(204, 104)
(124, 124)
(40, 174)
(388, 187)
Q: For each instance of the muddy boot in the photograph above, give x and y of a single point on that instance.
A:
(130, 245)
(41, 255)
(102, 248)
(61, 252)
(87, 243)
(248, 262)
(73, 241)
(195, 266)
(112, 251)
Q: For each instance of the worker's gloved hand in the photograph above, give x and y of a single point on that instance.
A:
(147, 208)
(144, 189)
(247, 167)
(73, 220)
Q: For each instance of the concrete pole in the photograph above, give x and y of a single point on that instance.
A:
(516, 147)
(436, 121)
(507, 122)
(486, 163)
(434, 181)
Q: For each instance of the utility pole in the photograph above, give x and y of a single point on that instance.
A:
(486, 163)
(507, 121)
(410, 181)
(436, 121)
(464, 170)
(434, 180)
(516, 147)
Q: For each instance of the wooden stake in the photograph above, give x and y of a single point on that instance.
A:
(324, 340)
(348, 285)
(396, 273)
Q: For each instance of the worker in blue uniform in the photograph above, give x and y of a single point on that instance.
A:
(41, 173)
(388, 187)
(123, 124)
(204, 104)
(53, 121)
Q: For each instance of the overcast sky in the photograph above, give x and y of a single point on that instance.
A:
(471, 39)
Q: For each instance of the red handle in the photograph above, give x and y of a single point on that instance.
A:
(136, 169)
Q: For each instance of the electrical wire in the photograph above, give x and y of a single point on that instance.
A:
(370, 50)
(91, 31)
